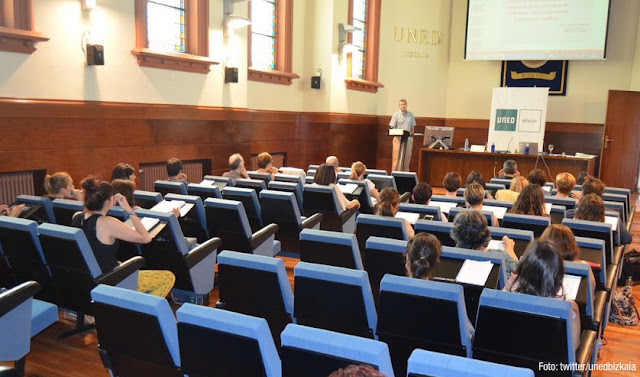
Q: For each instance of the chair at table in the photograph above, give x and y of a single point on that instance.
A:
(334, 298)
(137, 333)
(432, 364)
(330, 248)
(258, 286)
(215, 342)
(312, 352)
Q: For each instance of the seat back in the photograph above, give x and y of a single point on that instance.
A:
(42, 208)
(557, 214)
(217, 180)
(265, 177)
(137, 332)
(405, 180)
(330, 248)
(249, 200)
(522, 238)
(288, 187)
(456, 210)
(432, 364)
(424, 210)
(366, 203)
(567, 203)
(593, 229)
(440, 229)
(460, 193)
(524, 346)
(501, 181)
(194, 223)
(616, 203)
(255, 184)
(592, 250)
(375, 171)
(382, 181)
(256, 285)
(343, 175)
(281, 208)
(165, 187)
(15, 321)
(20, 245)
(620, 191)
(416, 313)
(227, 219)
(381, 226)
(323, 199)
(146, 199)
(64, 209)
(536, 224)
(312, 352)
(72, 264)
(383, 256)
(334, 298)
(586, 292)
(216, 342)
(290, 178)
(204, 191)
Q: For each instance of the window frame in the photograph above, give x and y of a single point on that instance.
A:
(282, 74)
(370, 82)
(16, 27)
(196, 56)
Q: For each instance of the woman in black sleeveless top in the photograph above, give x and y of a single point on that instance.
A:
(103, 233)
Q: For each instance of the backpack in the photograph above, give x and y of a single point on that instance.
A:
(630, 267)
(623, 308)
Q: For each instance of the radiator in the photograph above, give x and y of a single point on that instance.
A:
(14, 184)
(155, 171)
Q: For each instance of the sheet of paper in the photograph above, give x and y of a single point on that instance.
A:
(495, 245)
(207, 182)
(167, 205)
(347, 188)
(613, 221)
(547, 208)
(497, 211)
(444, 206)
(149, 222)
(477, 148)
(474, 272)
(185, 209)
(409, 216)
(546, 188)
(570, 285)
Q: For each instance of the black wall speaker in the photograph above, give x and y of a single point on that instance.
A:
(95, 55)
(230, 74)
(315, 82)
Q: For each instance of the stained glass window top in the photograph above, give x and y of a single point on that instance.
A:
(263, 34)
(165, 25)
(359, 38)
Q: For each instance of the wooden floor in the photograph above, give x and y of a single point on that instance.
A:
(78, 357)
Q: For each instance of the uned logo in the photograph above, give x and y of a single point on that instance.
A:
(506, 119)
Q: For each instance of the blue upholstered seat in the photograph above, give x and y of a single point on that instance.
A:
(258, 286)
(250, 202)
(365, 198)
(204, 191)
(381, 226)
(375, 171)
(43, 213)
(383, 256)
(568, 203)
(439, 229)
(522, 238)
(255, 184)
(313, 352)
(265, 177)
(146, 199)
(416, 313)
(165, 187)
(295, 188)
(456, 210)
(536, 224)
(194, 223)
(323, 199)
(137, 332)
(334, 298)
(422, 209)
(330, 248)
(217, 180)
(501, 181)
(298, 179)
(433, 364)
(405, 180)
(230, 343)
(382, 181)
(592, 250)
(64, 209)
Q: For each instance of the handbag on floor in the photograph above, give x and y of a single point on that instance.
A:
(623, 308)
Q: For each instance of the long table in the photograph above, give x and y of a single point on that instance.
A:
(435, 164)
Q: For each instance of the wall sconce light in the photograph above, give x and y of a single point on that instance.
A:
(343, 46)
(88, 5)
(230, 22)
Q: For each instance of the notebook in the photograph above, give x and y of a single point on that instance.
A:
(474, 272)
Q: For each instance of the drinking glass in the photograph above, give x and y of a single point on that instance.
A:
(550, 146)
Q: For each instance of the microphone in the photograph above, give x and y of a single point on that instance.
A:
(508, 145)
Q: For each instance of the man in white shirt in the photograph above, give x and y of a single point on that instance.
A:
(402, 119)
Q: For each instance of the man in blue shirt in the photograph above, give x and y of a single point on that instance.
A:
(402, 119)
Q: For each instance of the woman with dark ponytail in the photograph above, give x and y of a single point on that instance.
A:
(422, 256)
(103, 233)
(388, 206)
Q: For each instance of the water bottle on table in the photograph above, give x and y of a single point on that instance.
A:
(526, 149)
(466, 144)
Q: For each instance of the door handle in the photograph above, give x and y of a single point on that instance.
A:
(606, 140)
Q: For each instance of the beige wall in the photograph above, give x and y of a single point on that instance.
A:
(442, 85)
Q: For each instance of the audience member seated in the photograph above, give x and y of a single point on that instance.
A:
(561, 236)
(422, 256)
(474, 196)
(14, 211)
(591, 208)
(565, 182)
(530, 202)
(421, 194)
(540, 273)
(103, 233)
(388, 206)
(357, 174)
(60, 186)
(452, 182)
(592, 185)
(515, 188)
(333, 161)
(537, 177)
(236, 168)
(326, 176)
(581, 177)
(126, 187)
(476, 177)
(470, 231)
(174, 171)
(124, 171)
(509, 170)
(265, 164)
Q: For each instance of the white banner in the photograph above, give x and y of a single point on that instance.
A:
(518, 115)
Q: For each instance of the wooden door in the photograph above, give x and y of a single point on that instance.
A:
(620, 155)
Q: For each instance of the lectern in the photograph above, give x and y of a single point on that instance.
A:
(402, 151)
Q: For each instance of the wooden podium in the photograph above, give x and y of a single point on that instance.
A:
(435, 164)
(402, 151)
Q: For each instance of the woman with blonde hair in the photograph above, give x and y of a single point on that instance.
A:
(357, 174)
(388, 206)
(60, 186)
(516, 186)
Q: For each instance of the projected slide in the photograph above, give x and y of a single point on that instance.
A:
(536, 29)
